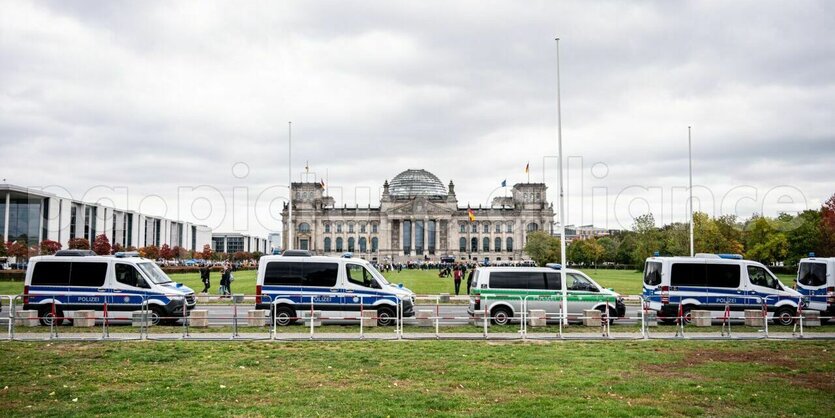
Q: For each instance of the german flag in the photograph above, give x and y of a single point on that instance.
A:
(527, 168)
(471, 214)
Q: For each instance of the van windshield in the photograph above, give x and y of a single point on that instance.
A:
(652, 273)
(154, 273)
(377, 275)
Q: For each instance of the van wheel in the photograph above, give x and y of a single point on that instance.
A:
(284, 316)
(47, 318)
(501, 315)
(784, 316)
(687, 311)
(385, 317)
(155, 315)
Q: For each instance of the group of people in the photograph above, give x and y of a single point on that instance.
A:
(226, 279)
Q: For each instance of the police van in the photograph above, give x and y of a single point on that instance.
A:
(500, 291)
(713, 282)
(816, 280)
(81, 280)
(288, 285)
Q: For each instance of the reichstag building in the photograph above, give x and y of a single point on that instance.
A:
(419, 219)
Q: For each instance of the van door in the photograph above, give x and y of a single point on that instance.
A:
(87, 286)
(811, 282)
(128, 290)
(361, 289)
(761, 285)
(726, 288)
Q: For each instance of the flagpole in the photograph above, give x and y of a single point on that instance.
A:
(563, 263)
(290, 178)
(690, 158)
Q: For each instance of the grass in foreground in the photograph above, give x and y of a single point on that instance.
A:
(451, 378)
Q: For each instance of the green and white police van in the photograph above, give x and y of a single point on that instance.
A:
(502, 292)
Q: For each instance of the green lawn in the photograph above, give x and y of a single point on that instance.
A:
(423, 282)
(438, 378)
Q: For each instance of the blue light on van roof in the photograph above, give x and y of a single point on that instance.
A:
(730, 256)
(554, 266)
(656, 254)
(811, 255)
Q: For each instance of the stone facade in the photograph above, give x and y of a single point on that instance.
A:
(418, 219)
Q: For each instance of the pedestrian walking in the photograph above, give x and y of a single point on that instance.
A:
(224, 280)
(204, 276)
(457, 279)
(469, 281)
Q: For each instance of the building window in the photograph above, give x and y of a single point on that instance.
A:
(327, 228)
(498, 228)
(474, 228)
(533, 227)
(509, 229)
(363, 246)
(485, 244)
(363, 228)
(474, 245)
(497, 244)
(407, 237)
(73, 220)
(486, 228)
(339, 244)
(419, 237)
(304, 227)
(351, 228)
(431, 225)
(463, 228)
(327, 244)
(339, 227)
(375, 244)
(509, 245)
(462, 245)
(374, 228)
(351, 244)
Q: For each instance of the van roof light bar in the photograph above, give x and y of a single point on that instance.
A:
(730, 256)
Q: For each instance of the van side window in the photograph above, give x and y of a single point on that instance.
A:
(126, 274)
(688, 274)
(810, 274)
(51, 274)
(517, 280)
(760, 277)
(553, 281)
(301, 274)
(652, 274)
(723, 275)
(359, 276)
(578, 282)
(283, 274)
(88, 274)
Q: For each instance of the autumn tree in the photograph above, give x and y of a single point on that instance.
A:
(165, 252)
(206, 254)
(101, 245)
(543, 248)
(78, 244)
(150, 252)
(585, 251)
(49, 247)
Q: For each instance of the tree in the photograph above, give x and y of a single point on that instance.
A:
(3, 249)
(763, 243)
(177, 252)
(828, 228)
(627, 247)
(240, 256)
(543, 248)
(585, 251)
(804, 237)
(647, 238)
(610, 249)
(49, 247)
(257, 255)
(101, 245)
(165, 252)
(150, 252)
(206, 254)
(117, 248)
(78, 244)
(18, 249)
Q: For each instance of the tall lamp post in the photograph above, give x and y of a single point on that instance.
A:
(290, 185)
(563, 263)
(690, 202)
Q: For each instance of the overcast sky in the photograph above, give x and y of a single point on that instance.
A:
(153, 97)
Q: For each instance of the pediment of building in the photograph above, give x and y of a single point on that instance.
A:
(420, 206)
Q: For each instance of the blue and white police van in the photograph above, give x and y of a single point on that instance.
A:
(288, 284)
(816, 280)
(81, 280)
(713, 282)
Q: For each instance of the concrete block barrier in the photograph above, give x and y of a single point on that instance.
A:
(137, 319)
(203, 298)
(199, 318)
(256, 317)
(536, 318)
(700, 318)
(84, 319)
(811, 319)
(443, 298)
(478, 319)
(592, 318)
(651, 318)
(369, 318)
(27, 318)
(315, 316)
(754, 318)
(423, 316)
(238, 298)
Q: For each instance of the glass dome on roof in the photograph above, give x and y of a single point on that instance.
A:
(411, 183)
